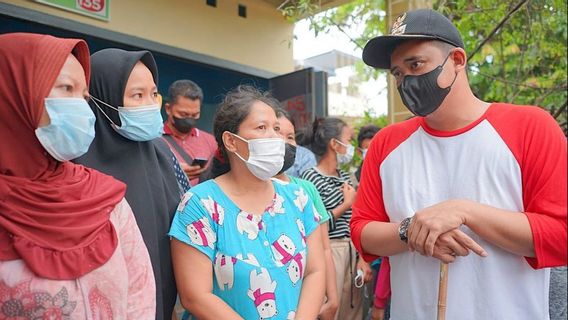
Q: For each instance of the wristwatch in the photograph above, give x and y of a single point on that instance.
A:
(403, 229)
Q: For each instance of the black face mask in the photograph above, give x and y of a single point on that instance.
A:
(184, 125)
(421, 94)
(289, 157)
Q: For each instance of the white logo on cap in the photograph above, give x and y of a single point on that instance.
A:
(397, 27)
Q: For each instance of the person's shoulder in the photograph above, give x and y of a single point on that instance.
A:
(287, 190)
(399, 129)
(307, 185)
(205, 189)
(120, 208)
(509, 109)
(206, 135)
(162, 148)
(281, 185)
(209, 139)
(392, 136)
(160, 144)
(304, 151)
(310, 173)
(521, 117)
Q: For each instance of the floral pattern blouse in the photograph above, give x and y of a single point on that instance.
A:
(122, 288)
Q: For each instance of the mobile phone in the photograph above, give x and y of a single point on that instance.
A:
(199, 162)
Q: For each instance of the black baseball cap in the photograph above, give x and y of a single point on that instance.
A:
(416, 24)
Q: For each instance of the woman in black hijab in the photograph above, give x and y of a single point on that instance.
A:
(120, 150)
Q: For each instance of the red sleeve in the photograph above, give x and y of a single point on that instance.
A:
(383, 286)
(539, 145)
(369, 204)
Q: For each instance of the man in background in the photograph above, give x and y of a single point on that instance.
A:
(192, 147)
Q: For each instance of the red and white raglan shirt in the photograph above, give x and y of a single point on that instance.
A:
(513, 158)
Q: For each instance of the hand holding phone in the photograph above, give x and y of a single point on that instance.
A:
(199, 162)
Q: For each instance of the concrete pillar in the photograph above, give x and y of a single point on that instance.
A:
(397, 112)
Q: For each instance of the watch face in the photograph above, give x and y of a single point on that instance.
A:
(402, 233)
(402, 230)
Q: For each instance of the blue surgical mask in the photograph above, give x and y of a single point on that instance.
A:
(71, 129)
(142, 123)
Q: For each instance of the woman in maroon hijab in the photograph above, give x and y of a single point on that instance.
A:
(69, 245)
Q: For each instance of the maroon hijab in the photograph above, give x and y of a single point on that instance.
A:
(53, 215)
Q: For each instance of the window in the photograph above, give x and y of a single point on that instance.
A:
(212, 3)
(242, 11)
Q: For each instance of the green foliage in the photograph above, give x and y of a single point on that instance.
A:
(367, 13)
(524, 61)
(298, 9)
(381, 122)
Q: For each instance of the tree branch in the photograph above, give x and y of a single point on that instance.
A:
(502, 58)
(347, 35)
(541, 98)
(494, 31)
(557, 88)
(559, 111)
(478, 10)
(525, 42)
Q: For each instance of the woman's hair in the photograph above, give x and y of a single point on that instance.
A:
(231, 113)
(281, 113)
(324, 129)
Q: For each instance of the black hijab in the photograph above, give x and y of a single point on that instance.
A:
(146, 167)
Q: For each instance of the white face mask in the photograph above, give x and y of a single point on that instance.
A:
(266, 156)
(347, 156)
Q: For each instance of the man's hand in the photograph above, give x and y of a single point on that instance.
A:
(192, 172)
(455, 243)
(428, 224)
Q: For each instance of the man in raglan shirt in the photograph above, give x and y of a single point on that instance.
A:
(479, 185)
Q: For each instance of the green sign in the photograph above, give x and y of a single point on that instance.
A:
(99, 9)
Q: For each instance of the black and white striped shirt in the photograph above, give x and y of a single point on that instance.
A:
(329, 188)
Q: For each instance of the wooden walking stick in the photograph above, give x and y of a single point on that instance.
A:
(442, 291)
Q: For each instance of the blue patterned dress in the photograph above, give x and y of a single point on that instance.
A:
(258, 260)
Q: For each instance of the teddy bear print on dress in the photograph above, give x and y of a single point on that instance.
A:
(317, 215)
(250, 224)
(184, 200)
(250, 259)
(261, 292)
(276, 206)
(296, 268)
(200, 233)
(302, 230)
(216, 212)
(301, 199)
(283, 249)
(224, 270)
